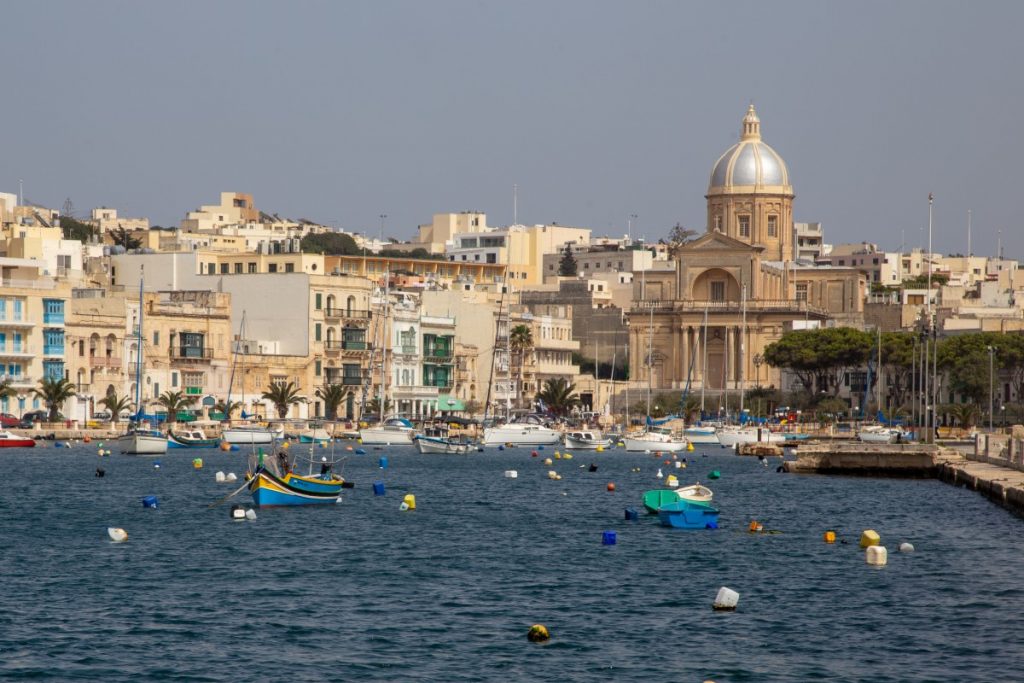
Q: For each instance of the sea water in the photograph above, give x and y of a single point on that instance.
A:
(363, 591)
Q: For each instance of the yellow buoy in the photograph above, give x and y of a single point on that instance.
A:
(600, 449)
(538, 633)
(869, 538)
(197, 463)
(567, 456)
(830, 536)
(285, 445)
(558, 456)
(689, 447)
(410, 500)
(117, 535)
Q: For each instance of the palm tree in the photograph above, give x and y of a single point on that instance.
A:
(372, 409)
(559, 395)
(225, 409)
(6, 390)
(54, 392)
(332, 395)
(174, 401)
(965, 414)
(283, 396)
(116, 405)
(520, 342)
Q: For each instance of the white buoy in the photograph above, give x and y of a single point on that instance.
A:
(231, 477)
(511, 474)
(876, 555)
(117, 535)
(659, 475)
(726, 600)
(552, 474)
(906, 547)
(250, 515)
(679, 464)
(219, 477)
(238, 514)
(404, 506)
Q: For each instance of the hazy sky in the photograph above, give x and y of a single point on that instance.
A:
(342, 111)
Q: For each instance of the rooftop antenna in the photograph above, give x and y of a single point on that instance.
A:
(969, 233)
(515, 204)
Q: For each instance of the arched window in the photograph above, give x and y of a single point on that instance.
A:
(350, 304)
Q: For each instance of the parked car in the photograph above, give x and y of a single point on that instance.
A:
(7, 421)
(30, 418)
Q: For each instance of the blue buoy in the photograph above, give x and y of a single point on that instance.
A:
(149, 502)
(540, 448)
(360, 451)
(711, 525)
(234, 447)
(378, 488)
(608, 538)
(632, 515)
(383, 462)
(501, 447)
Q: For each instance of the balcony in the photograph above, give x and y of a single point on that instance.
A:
(753, 306)
(194, 353)
(53, 318)
(352, 314)
(20, 323)
(19, 381)
(193, 391)
(407, 349)
(338, 376)
(11, 351)
(439, 382)
(53, 350)
(105, 362)
(437, 353)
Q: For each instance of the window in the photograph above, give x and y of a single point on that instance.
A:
(223, 269)
(272, 268)
(289, 267)
(53, 342)
(192, 345)
(718, 223)
(238, 267)
(211, 268)
(318, 368)
(319, 301)
(156, 337)
(773, 226)
(718, 291)
(801, 291)
(17, 309)
(317, 332)
(744, 226)
(252, 267)
(174, 379)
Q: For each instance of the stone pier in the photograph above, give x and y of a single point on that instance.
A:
(872, 460)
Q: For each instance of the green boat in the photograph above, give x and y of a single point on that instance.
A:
(653, 500)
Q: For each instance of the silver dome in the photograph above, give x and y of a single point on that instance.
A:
(749, 162)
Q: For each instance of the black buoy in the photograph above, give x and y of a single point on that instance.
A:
(780, 468)
(100, 471)
(593, 467)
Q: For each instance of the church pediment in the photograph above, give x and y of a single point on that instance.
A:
(717, 241)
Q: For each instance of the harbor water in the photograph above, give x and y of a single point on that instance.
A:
(363, 591)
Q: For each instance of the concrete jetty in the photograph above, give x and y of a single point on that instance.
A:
(873, 460)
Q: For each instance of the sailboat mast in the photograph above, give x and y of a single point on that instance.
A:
(650, 361)
(384, 351)
(743, 345)
(704, 361)
(138, 356)
(878, 375)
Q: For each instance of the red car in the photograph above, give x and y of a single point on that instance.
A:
(7, 421)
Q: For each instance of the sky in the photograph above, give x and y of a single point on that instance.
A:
(341, 112)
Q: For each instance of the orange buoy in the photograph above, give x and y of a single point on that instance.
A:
(611, 486)
(830, 536)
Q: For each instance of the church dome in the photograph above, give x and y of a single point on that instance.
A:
(749, 162)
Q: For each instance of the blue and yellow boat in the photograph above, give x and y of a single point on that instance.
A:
(275, 484)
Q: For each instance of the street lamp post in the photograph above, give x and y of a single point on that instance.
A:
(991, 383)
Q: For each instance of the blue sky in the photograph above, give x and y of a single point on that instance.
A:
(340, 112)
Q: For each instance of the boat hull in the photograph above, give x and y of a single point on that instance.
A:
(886, 436)
(377, 436)
(247, 436)
(270, 491)
(583, 444)
(143, 444)
(314, 436)
(432, 444)
(701, 436)
(182, 442)
(732, 437)
(17, 443)
(525, 435)
(642, 444)
(688, 515)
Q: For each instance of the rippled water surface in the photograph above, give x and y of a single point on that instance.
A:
(362, 591)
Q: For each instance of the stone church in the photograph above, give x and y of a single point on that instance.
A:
(737, 288)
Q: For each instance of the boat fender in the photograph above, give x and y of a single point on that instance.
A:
(360, 451)
(715, 474)
(558, 456)
(689, 447)
(608, 538)
(631, 515)
(100, 452)
(611, 487)
(382, 462)
(378, 488)
(86, 439)
(876, 555)
(906, 547)
(231, 477)
(830, 536)
(286, 445)
(593, 467)
(659, 475)
(150, 502)
(100, 472)
(410, 500)
(250, 515)
(600, 449)
(501, 447)
(117, 535)
(538, 633)
(726, 600)
(237, 513)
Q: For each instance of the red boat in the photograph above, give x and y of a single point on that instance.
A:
(8, 440)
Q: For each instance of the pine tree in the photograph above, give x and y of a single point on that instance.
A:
(567, 266)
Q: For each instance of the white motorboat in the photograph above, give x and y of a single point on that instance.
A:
(586, 440)
(143, 442)
(731, 435)
(654, 439)
(701, 435)
(521, 434)
(314, 435)
(696, 493)
(877, 434)
(395, 431)
(247, 434)
(442, 444)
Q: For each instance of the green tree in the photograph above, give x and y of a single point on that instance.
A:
(521, 342)
(964, 414)
(559, 395)
(567, 266)
(677, 237)
(116, 405)
(225, 409)
(331, 243)
(332, 395)
(921, 281)
(76, 230)
(174, 402)
(6, 390)
(54, 392)
(897, 364)
(1010, 356)
(373, 410)
(965, 360)
(283, 396)
(819, 358)
(124, 238)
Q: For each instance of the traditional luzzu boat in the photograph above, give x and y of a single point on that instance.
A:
(688, 514)
(273, 483)
(8, 440)
(190, 438)
(586, 440)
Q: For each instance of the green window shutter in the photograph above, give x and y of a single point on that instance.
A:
(319, 301)
(316, 330)
(318, 368)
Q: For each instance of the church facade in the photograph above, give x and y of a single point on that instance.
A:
(737, 288)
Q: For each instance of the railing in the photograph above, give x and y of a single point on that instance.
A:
(347, 313)
(191, 353)
(408, 350)
(28, 284)
(193, 391)
(105, 361)
(440, 383)
(753, 306)
(53, 318)
(14, 351)
(344, 380)
(437, 353)
(53, 350)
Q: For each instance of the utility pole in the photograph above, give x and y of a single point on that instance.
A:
(991, 383)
